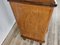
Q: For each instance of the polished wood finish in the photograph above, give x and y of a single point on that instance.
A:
(32, 20)
(50, 3)
(44, 1)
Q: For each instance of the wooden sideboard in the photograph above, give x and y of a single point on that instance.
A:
(32, 17)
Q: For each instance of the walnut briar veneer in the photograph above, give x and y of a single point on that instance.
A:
(32, 17)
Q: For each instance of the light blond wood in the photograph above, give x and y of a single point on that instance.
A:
(32, 20)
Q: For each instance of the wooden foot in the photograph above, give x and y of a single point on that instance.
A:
(23, 38)
(40, 43)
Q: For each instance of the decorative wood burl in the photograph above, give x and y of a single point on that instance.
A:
(32, 17)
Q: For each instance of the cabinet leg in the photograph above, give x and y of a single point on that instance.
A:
(40, 43)
(23, 37)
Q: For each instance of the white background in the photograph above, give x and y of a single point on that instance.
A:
(6, 19)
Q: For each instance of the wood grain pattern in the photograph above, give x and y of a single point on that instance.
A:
(32, 20)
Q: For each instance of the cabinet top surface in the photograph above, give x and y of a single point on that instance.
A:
(36, 2)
